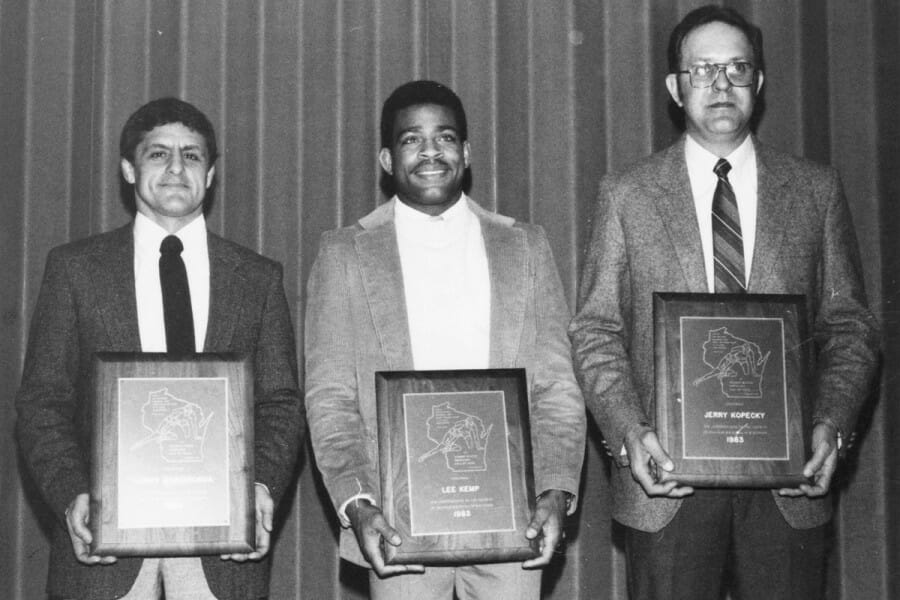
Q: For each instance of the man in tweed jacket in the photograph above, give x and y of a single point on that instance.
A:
(652, 233)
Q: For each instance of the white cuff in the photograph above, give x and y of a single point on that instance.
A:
(342, 511)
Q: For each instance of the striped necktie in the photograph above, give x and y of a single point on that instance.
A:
(728, 245)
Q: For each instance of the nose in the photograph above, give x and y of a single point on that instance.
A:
(430, 148)
(721, 82)
(176, 163)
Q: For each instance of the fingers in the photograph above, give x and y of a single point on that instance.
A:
(549, 545)
(655, 449)
(544, 511)
(815, 464)
(78, 515)
(371, 528)
(265, 510)
(262, 544)
(646, 455)
(820, 468)
(381, 530)
(548, 520)
(77, 518)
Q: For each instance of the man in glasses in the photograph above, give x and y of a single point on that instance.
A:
(718, 211)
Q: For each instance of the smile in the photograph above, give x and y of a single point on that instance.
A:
(431, 169)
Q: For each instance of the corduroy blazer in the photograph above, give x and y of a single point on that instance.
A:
(87, 304)
(645, 239)
(356, 325)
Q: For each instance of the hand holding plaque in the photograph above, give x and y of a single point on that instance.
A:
(456, 476)
(546, 527)
(646, 457)
(732, 401)
(373, 534)
(820, 468)
(172, 465)
(78, 515)
(265, 515)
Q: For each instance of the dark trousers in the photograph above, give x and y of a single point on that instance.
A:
(726, 540)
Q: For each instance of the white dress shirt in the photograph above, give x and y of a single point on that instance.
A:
(147, 238)
(700, 163)
(446, 286)
(183, 575)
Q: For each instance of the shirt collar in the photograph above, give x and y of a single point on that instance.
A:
(702, 160)
(148, 235)
(408, 215)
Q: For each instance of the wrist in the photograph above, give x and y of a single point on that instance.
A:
(563, 497)
(835, 431)
(636, 430)
(352, 509)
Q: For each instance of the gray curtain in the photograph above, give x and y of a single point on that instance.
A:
(558, 92)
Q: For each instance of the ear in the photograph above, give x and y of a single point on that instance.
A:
(759, 81)
(672, 86)
(466, 151)
(127, 170)
(209, 176)
(384, 157)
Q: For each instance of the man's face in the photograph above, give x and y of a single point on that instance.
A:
(427, 158)
(718, 116)
(170, 174)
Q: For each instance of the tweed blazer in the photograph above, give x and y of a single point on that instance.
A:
(356, 325)
(87, 304)
(645, 239)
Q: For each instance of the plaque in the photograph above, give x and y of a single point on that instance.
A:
(732, 389)
(456, 469)
(172, 455)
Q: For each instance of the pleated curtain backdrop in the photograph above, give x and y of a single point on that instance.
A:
(558, 92)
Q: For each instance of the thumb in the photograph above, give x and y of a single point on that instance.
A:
(655, 449)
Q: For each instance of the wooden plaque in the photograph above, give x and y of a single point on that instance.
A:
(732, 389)
(172, 455)
(456, 470)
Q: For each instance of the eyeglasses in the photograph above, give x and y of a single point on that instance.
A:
(739, 73)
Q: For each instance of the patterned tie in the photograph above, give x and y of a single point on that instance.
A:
(179, 319)
(728, 245)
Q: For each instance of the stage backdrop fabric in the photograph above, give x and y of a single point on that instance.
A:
(558, 92)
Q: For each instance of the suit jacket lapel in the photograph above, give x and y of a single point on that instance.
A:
(112, 277)
(772, 222)
(679, 216)
(382, 278)
(224, 295)
(511, 285)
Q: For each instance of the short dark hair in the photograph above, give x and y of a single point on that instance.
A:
(418, 92)
(712, 13)
(163, 111)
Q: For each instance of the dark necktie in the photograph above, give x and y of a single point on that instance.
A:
(728, 245)
(176, 295)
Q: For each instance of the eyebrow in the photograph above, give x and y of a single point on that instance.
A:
(738, 58)
(418, 128)
(158, 145)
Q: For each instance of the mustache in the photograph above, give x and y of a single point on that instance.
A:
(432, 162)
